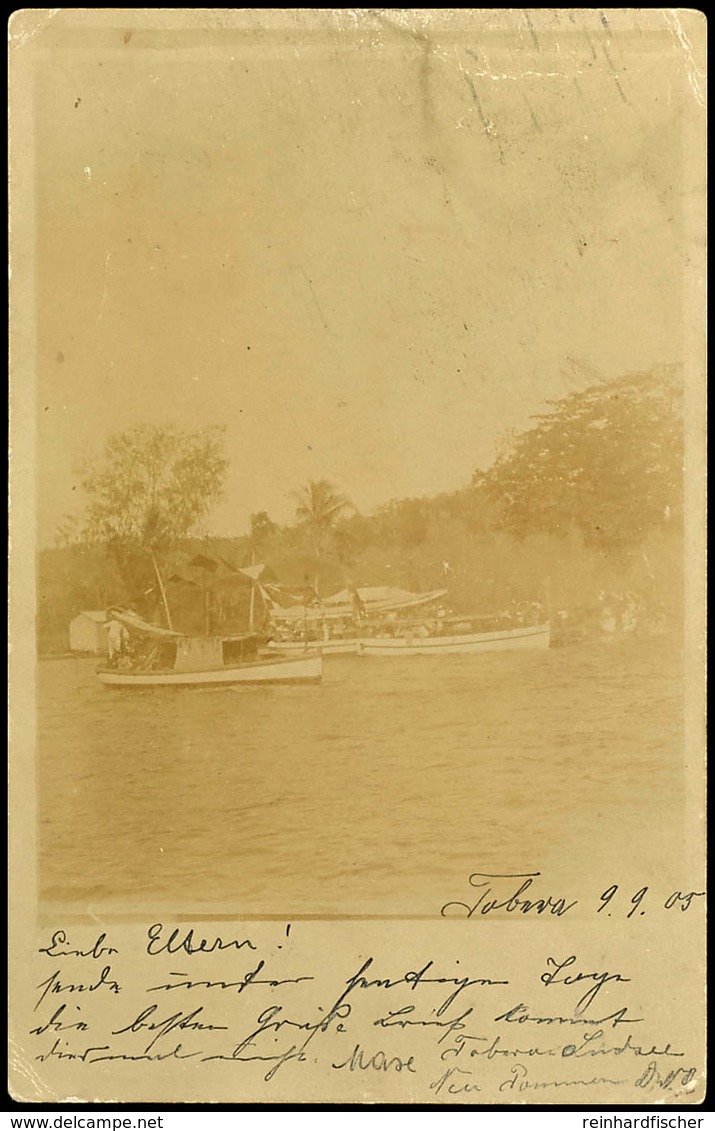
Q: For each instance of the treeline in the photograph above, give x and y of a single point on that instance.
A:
(587, 501)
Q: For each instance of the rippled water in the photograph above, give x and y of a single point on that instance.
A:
(377, 792)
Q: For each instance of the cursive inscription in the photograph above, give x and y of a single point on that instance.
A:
(188, 943)
(250, 978)
(518, 893)
(54, 985)
(514, 899)
(163, 1026)
(88, 1054)
(654, 1077)
(59, 1023)
(418, 1024)
(455, 1082)
(377, 1062)
(56, 948)
(555, 976)
(521, 1015)
(415, 978)
(519, 1080)
(176, 1053)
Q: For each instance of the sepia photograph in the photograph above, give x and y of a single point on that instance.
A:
(357, 565)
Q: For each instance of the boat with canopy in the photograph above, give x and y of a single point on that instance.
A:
(384, 621)
(160, 657)
(336, 625)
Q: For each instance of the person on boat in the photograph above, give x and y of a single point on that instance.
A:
(358, 608)
(117, 640)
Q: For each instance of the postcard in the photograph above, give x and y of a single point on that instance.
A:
(357, 556)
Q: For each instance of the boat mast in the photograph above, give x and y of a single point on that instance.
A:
(207, 618)
(252, 597)
(252, 607)
(548, 599)
(162, 590)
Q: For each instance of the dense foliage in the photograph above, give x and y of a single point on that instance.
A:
(149, 489)
(607, 462)
(151, 486)
(587, 499)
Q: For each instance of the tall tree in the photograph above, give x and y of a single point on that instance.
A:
(319, 508)
(263, 528)
(151, 487)
(607, 461)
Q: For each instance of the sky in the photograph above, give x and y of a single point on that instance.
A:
(369, 243)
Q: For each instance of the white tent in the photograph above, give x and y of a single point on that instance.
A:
(87, 632)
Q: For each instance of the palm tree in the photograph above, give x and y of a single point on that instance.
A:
(319, 506)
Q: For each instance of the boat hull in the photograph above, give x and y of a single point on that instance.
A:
(535, 637)
(303, 669)
(323, 648)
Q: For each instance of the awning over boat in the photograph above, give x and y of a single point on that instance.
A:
(385, 597)
(254, 572)
(373, 600)
(135, 623)
(214, 572)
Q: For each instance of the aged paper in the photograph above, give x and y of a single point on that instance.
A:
(378, 247)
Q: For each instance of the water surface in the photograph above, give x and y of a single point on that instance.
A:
(377, 792)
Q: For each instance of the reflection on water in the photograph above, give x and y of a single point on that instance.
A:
(377, 792)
